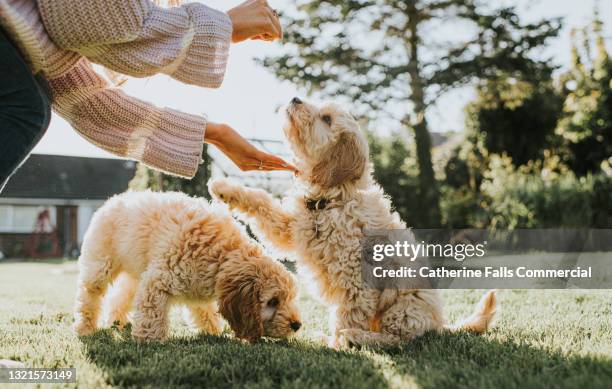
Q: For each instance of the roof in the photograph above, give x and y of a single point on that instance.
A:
(63, 177)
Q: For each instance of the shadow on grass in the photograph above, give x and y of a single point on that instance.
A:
(433, 361)
(210, 361)
(467, 360)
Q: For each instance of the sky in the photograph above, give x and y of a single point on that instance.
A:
(250, 96)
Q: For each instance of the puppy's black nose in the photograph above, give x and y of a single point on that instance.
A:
(296, 101)
(296, 325)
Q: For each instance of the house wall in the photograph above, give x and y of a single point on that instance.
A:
(84, 215)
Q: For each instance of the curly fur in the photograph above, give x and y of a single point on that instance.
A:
(167, 248)
(332, 156)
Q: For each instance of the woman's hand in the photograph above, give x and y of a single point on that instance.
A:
(241, 152)
(254, 19)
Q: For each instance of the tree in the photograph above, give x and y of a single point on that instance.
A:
(146, 178)
(516, 117)
(387, 59)
(395, 171)
(586, 126)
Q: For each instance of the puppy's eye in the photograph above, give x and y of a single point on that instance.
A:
(327, 119)
(273, 302)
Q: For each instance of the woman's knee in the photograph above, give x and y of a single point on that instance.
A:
(28, 115)
(24, 118)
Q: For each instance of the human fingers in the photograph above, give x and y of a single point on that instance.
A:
(277, 23)
(284, 165)
(271, 160)
(269, 168)
(267, 162)
(263, 37)
(275, 27)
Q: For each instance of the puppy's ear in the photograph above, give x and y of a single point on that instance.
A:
(239, 303)
(343, 161)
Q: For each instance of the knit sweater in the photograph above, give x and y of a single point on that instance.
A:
(60, 38)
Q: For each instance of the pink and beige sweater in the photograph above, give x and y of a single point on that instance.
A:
(60, 38)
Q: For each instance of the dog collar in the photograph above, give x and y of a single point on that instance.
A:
(316, 204)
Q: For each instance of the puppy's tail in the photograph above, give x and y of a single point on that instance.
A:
(483, 317)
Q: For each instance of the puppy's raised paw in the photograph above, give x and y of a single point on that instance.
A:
(222, 190)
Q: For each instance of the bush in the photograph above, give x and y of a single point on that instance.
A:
(462, 208)
(544, 195)
(482, 190)
(586, 125)
(515, 117)
(395, 169)
(601, 201)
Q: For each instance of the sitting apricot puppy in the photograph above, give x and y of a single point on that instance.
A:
(170, 248)
(323, 220)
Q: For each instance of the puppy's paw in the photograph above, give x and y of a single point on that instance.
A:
(348, 338)
(223, 190)
(142, 336)
(83, 328)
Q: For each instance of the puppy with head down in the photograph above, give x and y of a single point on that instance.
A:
(334, 200)
(167, 248)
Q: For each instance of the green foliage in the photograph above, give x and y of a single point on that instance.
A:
(146, 178)
(467, 163)
(545, 195)
(586, 126)
(376, 55)
(456, 170)
(462, 208)
(395, 170)
(483, 190)
(366, 50)
(535, 156)
(541, 194)
(601, 200)
(515, 117)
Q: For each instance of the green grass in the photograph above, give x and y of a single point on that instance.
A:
(543, 339)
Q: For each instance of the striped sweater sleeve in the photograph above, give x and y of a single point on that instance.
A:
(162, 138)
(137, 38)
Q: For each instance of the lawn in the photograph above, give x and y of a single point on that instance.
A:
(544, 338)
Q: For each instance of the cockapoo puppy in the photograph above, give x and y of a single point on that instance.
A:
(168, 248)
(335, 199)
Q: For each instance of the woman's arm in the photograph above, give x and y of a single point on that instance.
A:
(137, 38)
(165, 139)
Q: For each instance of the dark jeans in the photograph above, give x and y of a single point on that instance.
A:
(25, 109)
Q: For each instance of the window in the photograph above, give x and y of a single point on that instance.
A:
(22, 219)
